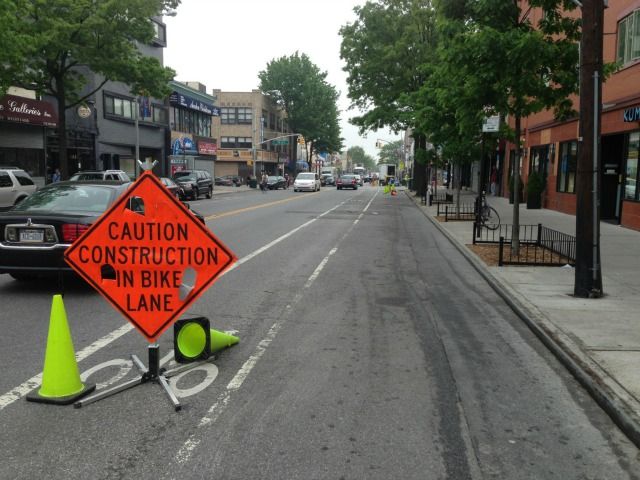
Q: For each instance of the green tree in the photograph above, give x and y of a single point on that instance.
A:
(520, 67)
(297, 85)
(64, 42)
(357, 155)
(493, 59)
(384, 51)
(392, 152)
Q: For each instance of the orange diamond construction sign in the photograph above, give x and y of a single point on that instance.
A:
(149, 256)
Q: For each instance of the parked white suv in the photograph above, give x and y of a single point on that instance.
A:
(15, 186)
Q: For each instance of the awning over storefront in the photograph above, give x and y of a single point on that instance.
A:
(26, 110)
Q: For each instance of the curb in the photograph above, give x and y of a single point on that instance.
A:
(604, 389)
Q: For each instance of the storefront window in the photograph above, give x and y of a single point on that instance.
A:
(189, 121)
(568, 166)
(631, 182)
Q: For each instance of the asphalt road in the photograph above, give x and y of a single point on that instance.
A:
(369, 349)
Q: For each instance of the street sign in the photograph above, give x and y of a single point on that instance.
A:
(149, 256)
(491, 124)
(283, 141)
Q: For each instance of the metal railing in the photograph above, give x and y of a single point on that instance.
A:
(539, 245)
(442, 197)
(464, 211)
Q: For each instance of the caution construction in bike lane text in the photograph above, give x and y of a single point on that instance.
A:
(149, 256)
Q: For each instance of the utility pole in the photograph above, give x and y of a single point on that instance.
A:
(588, 271)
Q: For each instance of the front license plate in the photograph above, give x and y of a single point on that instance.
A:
(31, 235)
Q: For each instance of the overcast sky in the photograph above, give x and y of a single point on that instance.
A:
(224, 44)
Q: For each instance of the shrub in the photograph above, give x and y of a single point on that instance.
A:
(535, 183)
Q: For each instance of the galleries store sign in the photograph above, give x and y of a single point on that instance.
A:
(25, 110)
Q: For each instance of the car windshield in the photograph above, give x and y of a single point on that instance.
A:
(306, 176)
(87, 176)
(68, 198)
(186, 176)
(347, 177)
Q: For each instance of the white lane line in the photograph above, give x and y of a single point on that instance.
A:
(184, 454)
(23, 389)
(214, 412)
(35, 381)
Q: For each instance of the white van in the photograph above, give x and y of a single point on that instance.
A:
(306, 181)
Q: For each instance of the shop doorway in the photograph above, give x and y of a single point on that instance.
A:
(610, 177)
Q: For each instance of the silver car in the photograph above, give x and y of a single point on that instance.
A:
(306, 182)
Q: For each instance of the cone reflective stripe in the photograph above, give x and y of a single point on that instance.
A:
(61, 382)
(193, 340)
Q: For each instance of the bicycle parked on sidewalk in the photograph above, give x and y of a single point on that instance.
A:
(488, 215)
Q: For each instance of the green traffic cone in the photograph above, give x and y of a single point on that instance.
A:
(221, 340)
(61, 382)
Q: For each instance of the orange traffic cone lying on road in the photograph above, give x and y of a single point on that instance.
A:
(61, 382)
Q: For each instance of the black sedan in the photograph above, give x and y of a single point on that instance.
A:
(173, 187)
(327, 179)
(35, 233)
(223, 181)
(276, 182)
(347, 181)
(235, 179)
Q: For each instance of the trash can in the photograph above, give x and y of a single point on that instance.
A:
(253, 182)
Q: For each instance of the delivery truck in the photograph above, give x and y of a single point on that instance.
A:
(387, 171)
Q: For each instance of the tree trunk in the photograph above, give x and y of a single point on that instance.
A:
(515, 236)
(420, 168)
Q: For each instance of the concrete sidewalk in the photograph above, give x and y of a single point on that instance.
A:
(598, 340)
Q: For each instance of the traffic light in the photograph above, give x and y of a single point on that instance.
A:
(300, 139)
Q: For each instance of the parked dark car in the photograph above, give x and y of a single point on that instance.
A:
(35, 233)
(236, 180)
(347, 181)
(224, 181)
(173, 187)
(275, 182)
(194, 183)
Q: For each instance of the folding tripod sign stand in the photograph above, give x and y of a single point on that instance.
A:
(153, 374)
